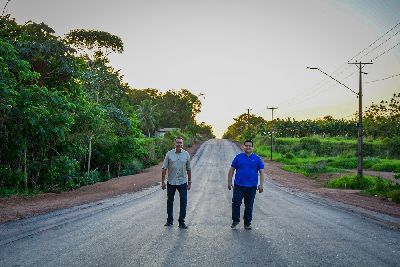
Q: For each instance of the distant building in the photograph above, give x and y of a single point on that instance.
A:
(162, 131)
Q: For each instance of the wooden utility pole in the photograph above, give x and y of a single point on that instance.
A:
(272, 128)
(360, 66)
(248, 118)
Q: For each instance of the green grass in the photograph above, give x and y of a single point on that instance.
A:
(310, 170)
(369, 185)
(4, 192)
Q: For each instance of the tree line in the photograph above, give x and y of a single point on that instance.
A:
(67, 118)
(379, 121)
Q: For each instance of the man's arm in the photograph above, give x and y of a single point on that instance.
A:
(189, 174)
(189, 171)
(261, 185)
(163, 184)
(230, 175)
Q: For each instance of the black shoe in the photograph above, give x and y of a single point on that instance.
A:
(182, 226)
(168, 224)
(247, 226)
(234, 225)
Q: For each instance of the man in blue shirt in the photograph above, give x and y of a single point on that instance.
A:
(247, 166)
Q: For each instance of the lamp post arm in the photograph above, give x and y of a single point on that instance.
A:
(332, 78)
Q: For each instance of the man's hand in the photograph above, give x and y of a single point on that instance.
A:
(230, 186)
(163, 185)
(260, 189)
(189, 186)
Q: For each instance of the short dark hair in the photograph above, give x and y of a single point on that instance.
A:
(248, 141)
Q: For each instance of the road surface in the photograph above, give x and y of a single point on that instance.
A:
(288, 229)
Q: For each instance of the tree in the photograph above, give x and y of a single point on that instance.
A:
(147, 113)
(94, 44)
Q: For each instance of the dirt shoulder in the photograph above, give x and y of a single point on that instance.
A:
(18, 207)
(315, 186)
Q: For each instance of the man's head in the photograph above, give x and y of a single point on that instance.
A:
(248, 146)
(178, 143)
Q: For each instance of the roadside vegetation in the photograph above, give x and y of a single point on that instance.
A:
(328, 145)
(68, 119)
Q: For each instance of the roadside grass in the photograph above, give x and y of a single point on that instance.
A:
(369, 185)
(338, 162)
(310, 170)
(4, 192)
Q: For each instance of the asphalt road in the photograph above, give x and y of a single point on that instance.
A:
(288, 229)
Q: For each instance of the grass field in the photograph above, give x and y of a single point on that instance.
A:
(315, 156)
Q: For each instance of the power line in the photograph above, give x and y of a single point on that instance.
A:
(383, 78)
(384, 52)
(375, 41)
(318, 88)
(376, 47)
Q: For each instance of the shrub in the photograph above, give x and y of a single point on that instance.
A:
(394, 195)
(61, 170)
(393, 146)
(310, 144)
(134, 167)
(289, 155)
(10, 178)
(89, 178)
(352, 182)
(306, 154)
(391, 166)
(344, 163)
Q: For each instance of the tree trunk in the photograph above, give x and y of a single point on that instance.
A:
(25, 171)
(90, 153)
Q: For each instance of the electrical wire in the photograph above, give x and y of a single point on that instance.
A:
(383, 78)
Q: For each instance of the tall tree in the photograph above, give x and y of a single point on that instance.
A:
(147, 113)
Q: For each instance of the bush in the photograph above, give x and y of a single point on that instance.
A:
(62, 169)
(344, 163)
(289, 155)
(10, 178)
(387, 165)
(310, 144)
(89, 178)
(352, 182)
(394, 195)
(134, 167)
(393, 146)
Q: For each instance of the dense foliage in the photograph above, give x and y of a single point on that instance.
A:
(67, 118)
(379, 121)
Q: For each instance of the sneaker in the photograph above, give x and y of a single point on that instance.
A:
(168, 224)
(247, 226)
(234, 225)
(182, 226)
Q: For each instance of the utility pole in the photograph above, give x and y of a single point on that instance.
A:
(272, 127)
(359, 125)
(248, 118)
(360, 66)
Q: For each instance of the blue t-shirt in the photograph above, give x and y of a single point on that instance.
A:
(247, 168)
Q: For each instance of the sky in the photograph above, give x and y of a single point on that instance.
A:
(244, 54)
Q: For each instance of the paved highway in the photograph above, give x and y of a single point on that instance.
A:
(289, 229)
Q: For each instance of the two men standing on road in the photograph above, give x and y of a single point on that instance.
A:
(177, 162)
(248, 167)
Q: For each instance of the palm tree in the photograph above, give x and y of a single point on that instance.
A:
(147, 114)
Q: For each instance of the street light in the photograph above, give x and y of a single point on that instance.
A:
(359, 125)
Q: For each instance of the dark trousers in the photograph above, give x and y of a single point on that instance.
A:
(248, 194)
(182, 189)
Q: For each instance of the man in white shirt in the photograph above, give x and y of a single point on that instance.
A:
(177, 162)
